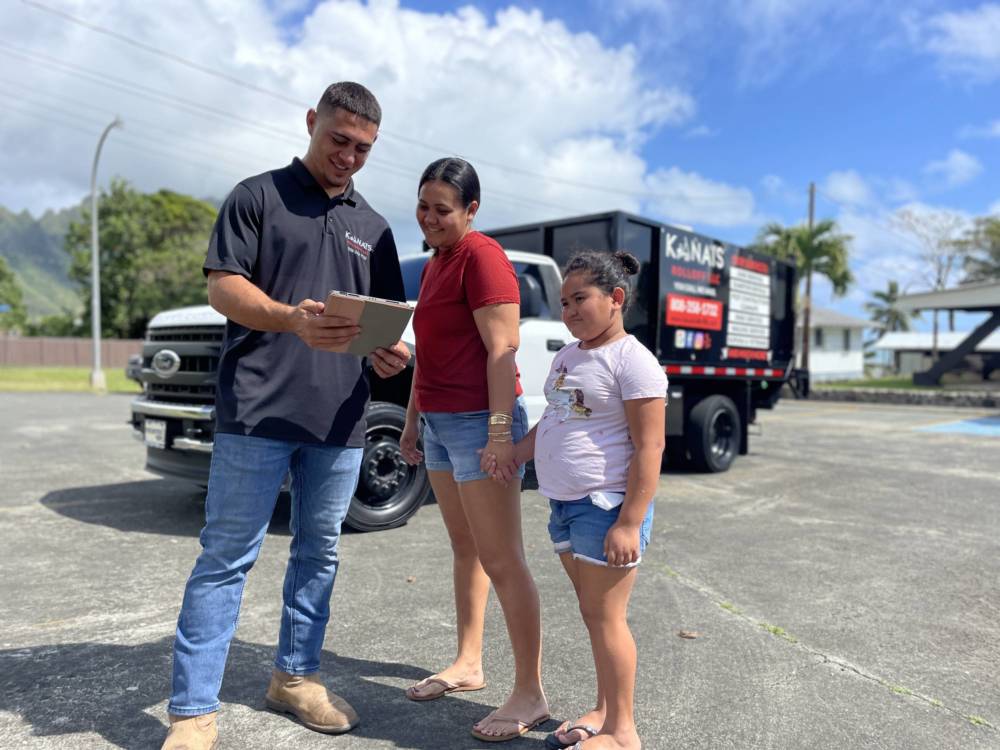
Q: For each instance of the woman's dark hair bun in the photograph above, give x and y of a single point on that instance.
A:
(629, 262)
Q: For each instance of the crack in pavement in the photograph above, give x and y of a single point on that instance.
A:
(826, 659)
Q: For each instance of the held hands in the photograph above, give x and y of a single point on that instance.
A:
(324, 332)
(408, 444)
(501, 460)
(621, 544)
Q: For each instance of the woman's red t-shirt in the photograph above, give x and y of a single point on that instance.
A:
(451, 356)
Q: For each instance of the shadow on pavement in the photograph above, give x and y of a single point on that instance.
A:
(113, 690)
(154, 506)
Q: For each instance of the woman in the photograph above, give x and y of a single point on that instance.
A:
(465, 398)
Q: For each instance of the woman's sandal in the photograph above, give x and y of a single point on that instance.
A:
(552, 742)
(523, 727)
(443, 688)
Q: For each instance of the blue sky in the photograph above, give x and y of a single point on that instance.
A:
(715, 115)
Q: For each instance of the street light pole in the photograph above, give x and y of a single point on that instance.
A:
(97, 381)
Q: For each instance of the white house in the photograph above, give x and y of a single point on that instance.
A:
(915, 348)
(836, 345)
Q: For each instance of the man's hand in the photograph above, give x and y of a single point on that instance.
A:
(324, 332)
(391, 361)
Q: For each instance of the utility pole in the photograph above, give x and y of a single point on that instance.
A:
(808, 300)
(97, 381)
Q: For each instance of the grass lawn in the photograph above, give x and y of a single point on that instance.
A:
(47, 379)
(895, 382)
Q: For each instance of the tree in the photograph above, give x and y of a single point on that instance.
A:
(13, 316)
(152, 249)
(937, 232)
(980, 248)
(884, 310)
(821, 250)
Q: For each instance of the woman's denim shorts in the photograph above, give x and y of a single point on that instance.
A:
(579, 526)
(452, 440)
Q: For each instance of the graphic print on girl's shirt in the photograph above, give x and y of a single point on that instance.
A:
(567, 403)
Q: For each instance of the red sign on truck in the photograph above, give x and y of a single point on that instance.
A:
(694, 312)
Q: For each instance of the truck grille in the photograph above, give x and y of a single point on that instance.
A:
(198, 363)
(198, 348)
(201, 333)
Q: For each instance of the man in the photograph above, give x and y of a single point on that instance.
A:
(285, 404)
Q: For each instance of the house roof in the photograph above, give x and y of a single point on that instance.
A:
(984, 295)
(827, 318)
(919, 341)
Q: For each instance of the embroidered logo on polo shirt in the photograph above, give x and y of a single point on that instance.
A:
(358, 246)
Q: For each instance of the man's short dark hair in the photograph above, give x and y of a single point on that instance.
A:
(352, 97)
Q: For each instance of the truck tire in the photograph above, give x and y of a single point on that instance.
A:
(713, 437)
(389, 490)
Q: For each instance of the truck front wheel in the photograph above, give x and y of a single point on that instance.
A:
(714, 433)
(389, 490)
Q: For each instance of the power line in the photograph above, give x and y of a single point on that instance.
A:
(171, 155)
(213, 157)
(642, 194)
(202, 110)
(137, 89)
(163, 53)
(32, 98)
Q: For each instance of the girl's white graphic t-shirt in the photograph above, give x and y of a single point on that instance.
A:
(582, 445)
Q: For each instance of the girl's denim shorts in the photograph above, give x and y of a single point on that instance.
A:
(452, 440)
(579, 526)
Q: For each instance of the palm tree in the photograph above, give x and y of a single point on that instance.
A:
(884, 310)
(818, 249)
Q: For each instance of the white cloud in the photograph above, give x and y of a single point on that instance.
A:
(848, 187)
(957, 168)
(994, 210)
(990, 130)
(701, 131)
(755, 41)
(689, 198)
(897, 190)
(516, 92)
(965, 41)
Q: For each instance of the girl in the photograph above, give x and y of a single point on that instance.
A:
(465, 399)
(597, 452)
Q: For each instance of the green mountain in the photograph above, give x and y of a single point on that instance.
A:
(34, 250)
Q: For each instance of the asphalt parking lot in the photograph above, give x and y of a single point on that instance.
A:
(842, 581)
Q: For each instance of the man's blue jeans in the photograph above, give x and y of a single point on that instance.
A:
(243, 485)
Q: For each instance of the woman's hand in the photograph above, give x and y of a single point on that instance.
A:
(408, 443)
(389, 361)
(621, 544)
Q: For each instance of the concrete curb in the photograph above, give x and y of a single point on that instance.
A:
(973, 399)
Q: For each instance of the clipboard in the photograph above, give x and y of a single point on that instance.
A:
(382, 321)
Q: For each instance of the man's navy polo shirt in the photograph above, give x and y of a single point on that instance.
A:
(283, 232)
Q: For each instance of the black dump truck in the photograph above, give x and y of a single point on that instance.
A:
(720, 319)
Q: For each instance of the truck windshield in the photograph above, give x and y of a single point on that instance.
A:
(412, 266)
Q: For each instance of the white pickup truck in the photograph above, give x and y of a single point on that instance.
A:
(175, 415)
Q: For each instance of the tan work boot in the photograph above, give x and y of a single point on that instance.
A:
(192, 733)
(305, 697)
